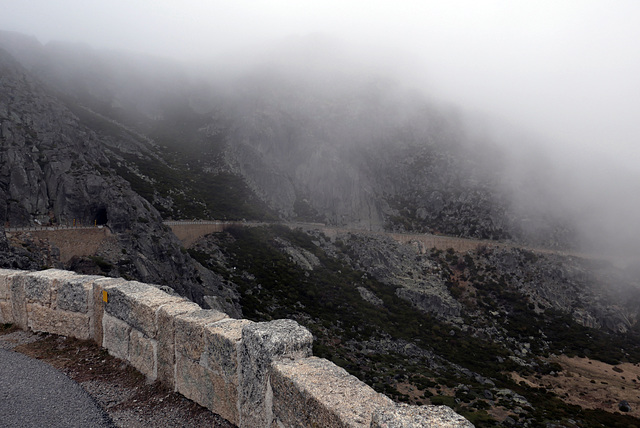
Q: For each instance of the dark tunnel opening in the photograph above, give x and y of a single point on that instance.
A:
(101, 216)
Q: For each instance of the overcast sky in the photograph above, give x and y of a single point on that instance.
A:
(569, 70)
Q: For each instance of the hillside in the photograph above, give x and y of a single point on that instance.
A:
(444, 327)
(285, 140)
(58, 170)
(499, 334)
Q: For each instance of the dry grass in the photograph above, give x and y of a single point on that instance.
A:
(593, 384)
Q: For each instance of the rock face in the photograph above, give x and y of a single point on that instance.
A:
(415, 277)
(410, 164)
(17, 258)
(75, 146)
(364, 153)
(54, 170)
(595, 294)
(322, 145)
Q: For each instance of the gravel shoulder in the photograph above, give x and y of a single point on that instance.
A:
(120, 390)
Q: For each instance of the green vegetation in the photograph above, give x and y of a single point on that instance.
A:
(193, 192)
(551, 331)
(349, 331)
(327, 301)
(329, 293)
(177, 174)
(99, 124)
(304, 211)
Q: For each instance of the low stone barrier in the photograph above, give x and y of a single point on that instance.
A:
(254, 374)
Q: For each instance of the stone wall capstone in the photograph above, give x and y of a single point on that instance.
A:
(262, 344)
(254, 374)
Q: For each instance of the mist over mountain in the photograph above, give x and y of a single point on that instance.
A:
(56, 170)
(315, 133)
(308, 130)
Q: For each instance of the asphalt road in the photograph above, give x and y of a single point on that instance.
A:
(34, 394)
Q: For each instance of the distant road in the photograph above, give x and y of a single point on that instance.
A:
(84, 240)
(190, 231)
(56, 227)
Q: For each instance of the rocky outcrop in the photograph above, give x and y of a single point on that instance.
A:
(594, 293)
(18, 258)
(54, 170)
(431, 300)
(303, 258)
(415, 276)
(356, 151)
(263, 344)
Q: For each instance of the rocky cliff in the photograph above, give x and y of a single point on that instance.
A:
(107, 139)
(334, 143)
(55, 170)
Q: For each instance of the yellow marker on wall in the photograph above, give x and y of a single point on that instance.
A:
(104, 296)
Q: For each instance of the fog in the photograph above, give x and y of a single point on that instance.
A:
(557, 76)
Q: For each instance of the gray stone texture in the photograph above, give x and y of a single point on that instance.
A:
(405, 416)
(166, 339)
(315, 392)
(190, 331)
(7, 301)
(42, 287)
(59, 302)
(136, 304)
(98, 305)
(65, 323)
(5, 281)
(6, 314)
(194, 381)
(252, 374)
(115, 336)
(262, 343)
(75, 294)
(18, 304)
(192, 378)
(222, 347)
(143, 354)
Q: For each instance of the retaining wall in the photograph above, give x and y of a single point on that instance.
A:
(254, 374)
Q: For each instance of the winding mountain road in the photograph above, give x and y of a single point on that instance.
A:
(84, 240)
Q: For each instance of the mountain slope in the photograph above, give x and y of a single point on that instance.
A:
(54, 170)
(317, 137)
(127, 142)
(475, 331)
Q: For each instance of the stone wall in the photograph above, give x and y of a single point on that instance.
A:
(79, 241)
(254, 374)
